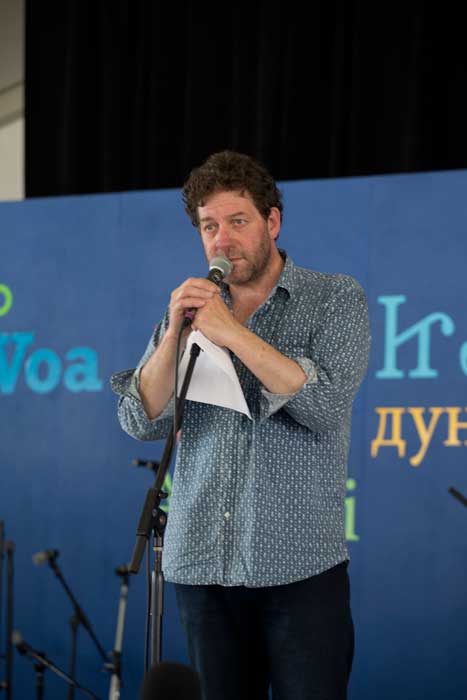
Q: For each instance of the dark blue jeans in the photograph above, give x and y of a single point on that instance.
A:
(298, 638)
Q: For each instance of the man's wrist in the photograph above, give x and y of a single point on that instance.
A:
(237, 335)
(170, 336)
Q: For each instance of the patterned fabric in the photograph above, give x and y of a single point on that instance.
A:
(261, 502)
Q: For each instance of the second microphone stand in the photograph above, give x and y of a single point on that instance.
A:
(115, 666)
(41, 663)
(77, 619)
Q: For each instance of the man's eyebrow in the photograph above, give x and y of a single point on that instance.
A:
(229, 216)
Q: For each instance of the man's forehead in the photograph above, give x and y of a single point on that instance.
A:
(225, 204)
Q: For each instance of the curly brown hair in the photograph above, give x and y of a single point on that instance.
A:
(229, 171)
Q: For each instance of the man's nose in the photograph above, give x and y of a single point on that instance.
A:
(223, 238)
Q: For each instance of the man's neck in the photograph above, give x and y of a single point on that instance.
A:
(256, 292)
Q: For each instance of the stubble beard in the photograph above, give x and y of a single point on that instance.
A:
(255, 267)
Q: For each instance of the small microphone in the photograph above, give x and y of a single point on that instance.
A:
(18, 641)
(171, 681)
(154, 466)
(45, 557)
(219, 267)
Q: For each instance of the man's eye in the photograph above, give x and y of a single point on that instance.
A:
(239, 222)
(209, 228)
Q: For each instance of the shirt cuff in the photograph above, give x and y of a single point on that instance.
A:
(271, 403)
(127, 383)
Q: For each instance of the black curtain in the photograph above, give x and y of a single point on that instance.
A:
(131, 94)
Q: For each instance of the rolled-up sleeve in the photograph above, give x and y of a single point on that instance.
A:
(131, 412)
(336, 365)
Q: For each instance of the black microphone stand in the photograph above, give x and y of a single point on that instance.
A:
(41, 663)
(157, 584)
(9, 548)
(77, 619)
(153, 519)
(156, 581)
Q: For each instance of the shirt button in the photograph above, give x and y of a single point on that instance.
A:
(227, 515)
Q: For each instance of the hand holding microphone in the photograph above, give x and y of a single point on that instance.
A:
(156, 384)
(219, 267)
(196, 292)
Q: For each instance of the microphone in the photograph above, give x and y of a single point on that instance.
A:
(171, 681)
(45, 557)
(19, 643)
(219, 267)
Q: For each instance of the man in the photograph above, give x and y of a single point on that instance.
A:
(255, 541)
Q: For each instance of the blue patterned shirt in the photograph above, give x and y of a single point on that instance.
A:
(261, 502)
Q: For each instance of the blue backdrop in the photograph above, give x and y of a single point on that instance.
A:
(83, 280)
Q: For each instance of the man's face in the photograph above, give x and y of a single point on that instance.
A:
(231, 225)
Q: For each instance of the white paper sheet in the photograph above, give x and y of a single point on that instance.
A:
(214, 379)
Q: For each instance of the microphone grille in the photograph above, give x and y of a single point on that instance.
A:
(39, 558)
(221, 263)
(16, 637)
(47, 555)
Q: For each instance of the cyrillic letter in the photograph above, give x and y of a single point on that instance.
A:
(454, 426)
(424, 433)
(422, 329)
(350, 534)
(395, 440)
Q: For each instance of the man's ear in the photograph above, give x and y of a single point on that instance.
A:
(274, 222)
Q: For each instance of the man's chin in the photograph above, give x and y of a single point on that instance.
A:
(239, 274)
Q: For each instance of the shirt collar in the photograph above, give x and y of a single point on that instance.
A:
(287, 278)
